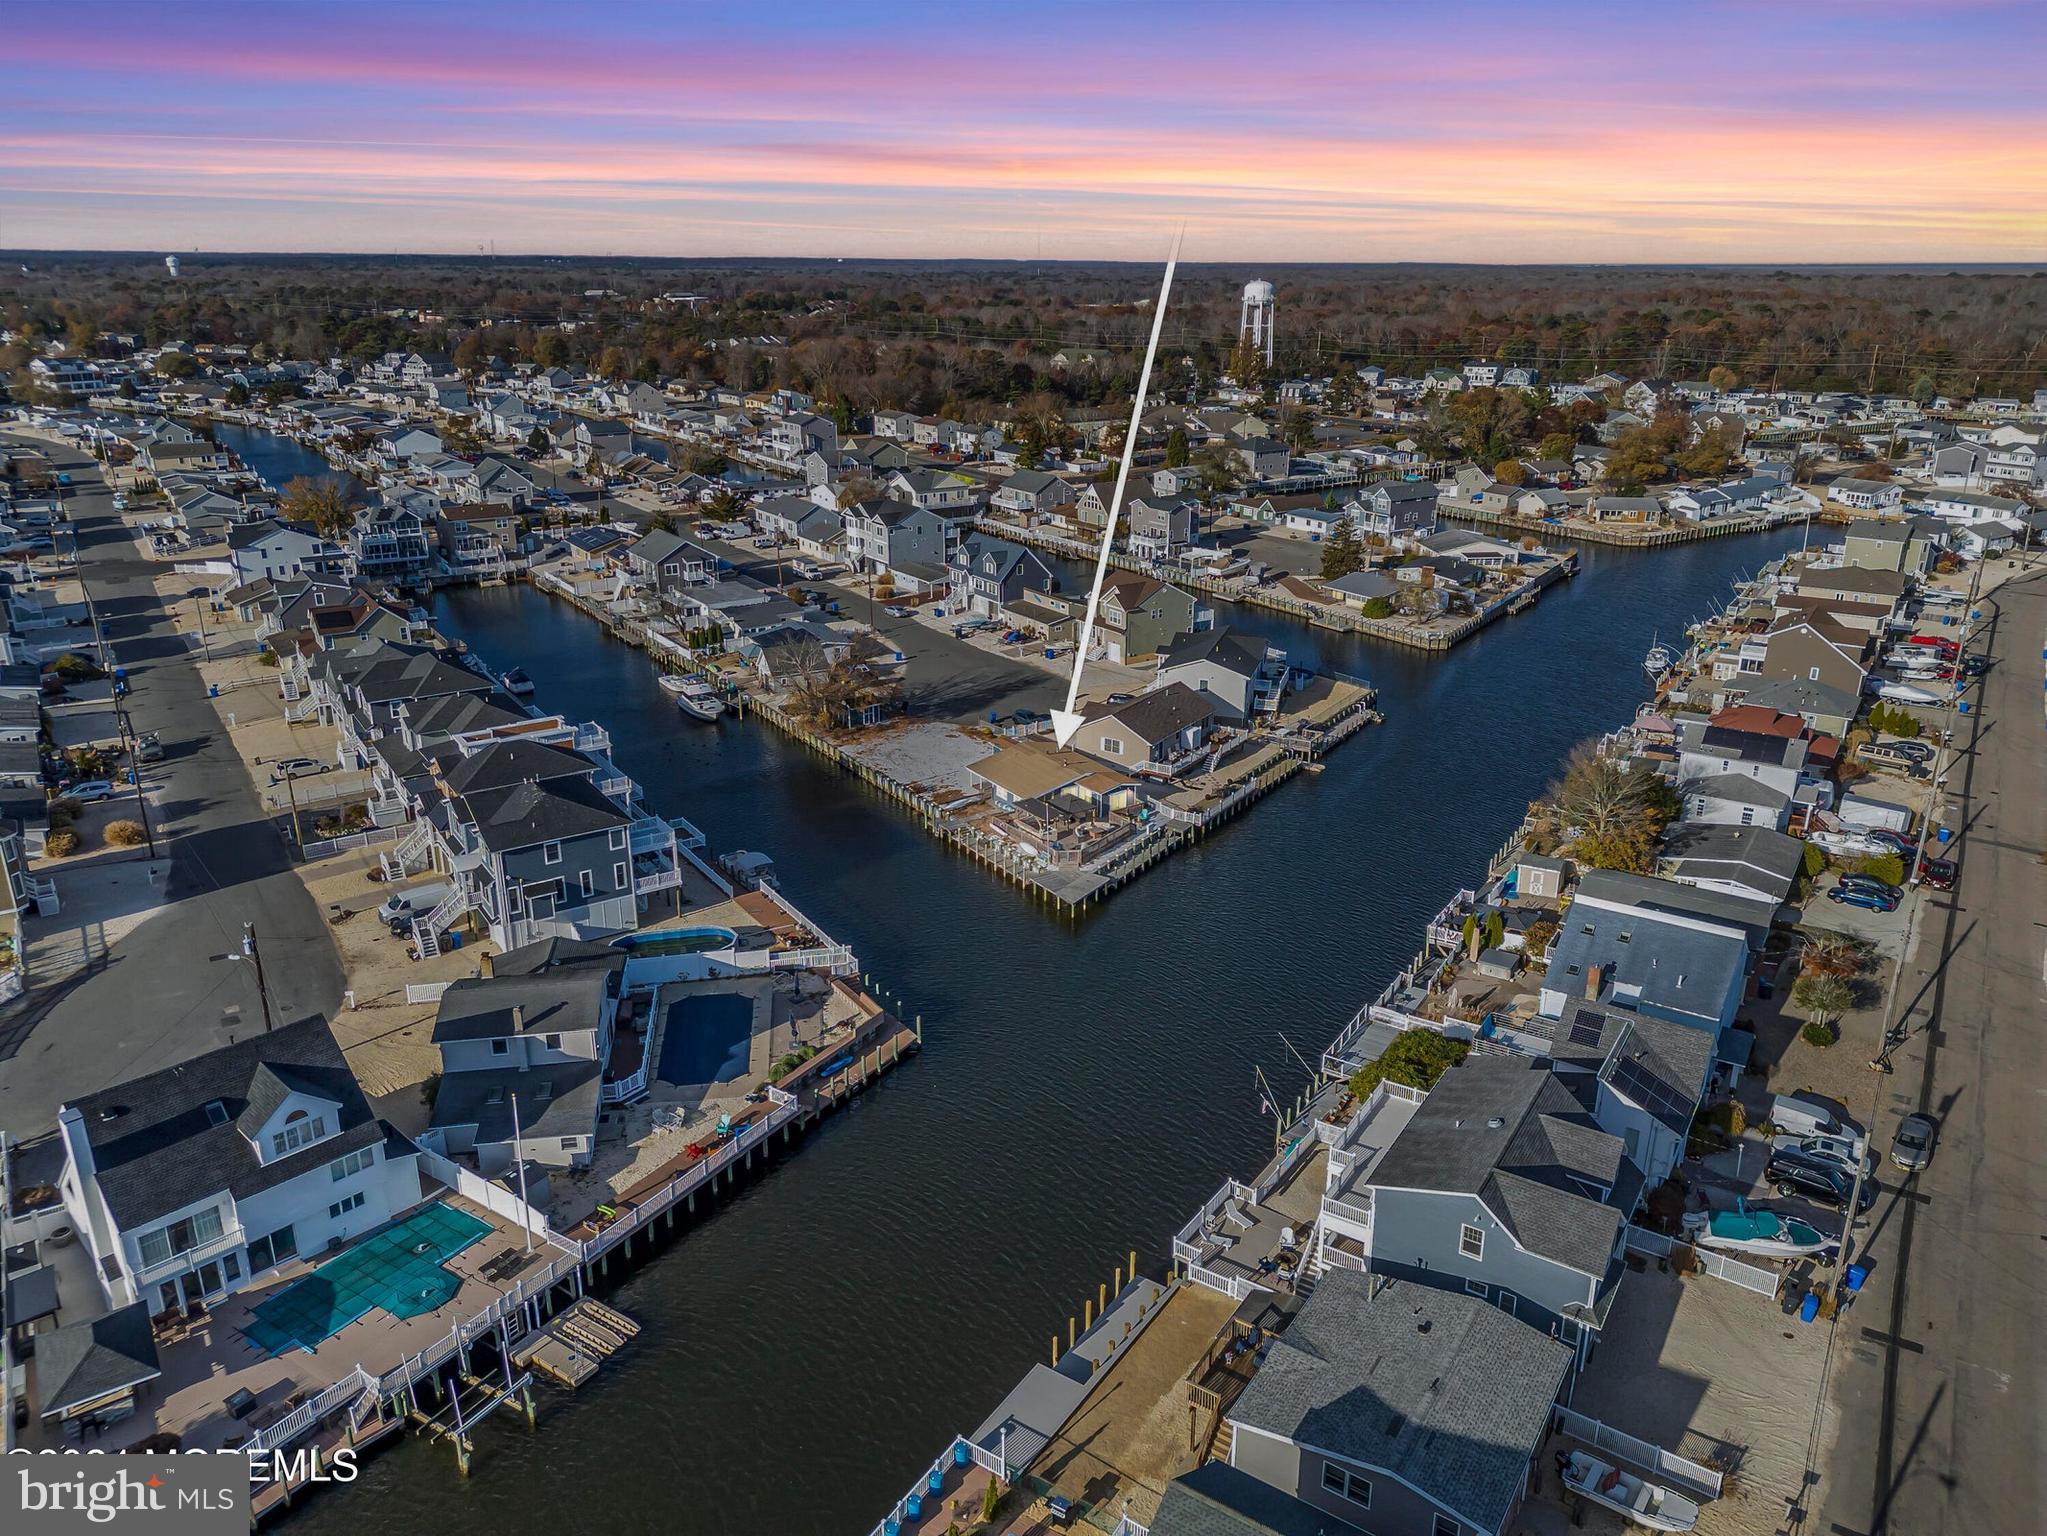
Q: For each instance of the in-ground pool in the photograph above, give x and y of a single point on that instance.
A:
(682, 941)
(705, 1039)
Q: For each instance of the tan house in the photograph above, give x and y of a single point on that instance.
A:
(1808, 652)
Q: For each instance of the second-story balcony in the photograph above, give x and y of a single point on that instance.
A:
(229, 1238)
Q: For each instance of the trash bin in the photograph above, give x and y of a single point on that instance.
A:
(213, 690)
(1810, 1307)
(452, 939)
(1857, 1273)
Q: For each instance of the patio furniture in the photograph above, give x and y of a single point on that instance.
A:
(240, 1403)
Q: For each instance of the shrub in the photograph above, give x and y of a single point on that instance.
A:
(74, 668)
(1825, 998)
(991, 1499)
(1819, 1034)
(1815, 859)
(64, 812)
(126, 834)
(1417, 1057)
(1887, 867)
(61, 843)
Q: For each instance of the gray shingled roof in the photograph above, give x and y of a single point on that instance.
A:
(82, 1361)
(524, 815)
(559, 1099)
(504, 763)
(1223, 646)
(1218, 1500)
(1155, 716)
(1439, 1389)
(530, 1003)
(1506, 1130)
(156, 1149)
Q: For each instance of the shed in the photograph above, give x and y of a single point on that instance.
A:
(1541, 878)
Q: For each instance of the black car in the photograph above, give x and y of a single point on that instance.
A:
(1792, 1172)
(1857, 882)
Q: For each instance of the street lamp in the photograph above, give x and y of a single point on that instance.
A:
(251, 954)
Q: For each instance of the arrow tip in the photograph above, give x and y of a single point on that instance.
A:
(1064, 723)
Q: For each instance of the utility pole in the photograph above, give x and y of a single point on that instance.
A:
(519, 1159)
(254, 955)
(292, 795)
(130, 748)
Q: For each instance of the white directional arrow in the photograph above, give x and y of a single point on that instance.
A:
(1066, 721)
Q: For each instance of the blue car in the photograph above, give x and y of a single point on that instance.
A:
(1859, 896)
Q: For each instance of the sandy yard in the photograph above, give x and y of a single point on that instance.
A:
(1720, 1375)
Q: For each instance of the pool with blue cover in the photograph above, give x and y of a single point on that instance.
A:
(705, 1039)
(398, 1269)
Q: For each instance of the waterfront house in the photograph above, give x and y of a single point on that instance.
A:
(594, 442)
(1243, 677)
(1030, 494)
(1261, 458)
(389, 543)
(1753, 862)
(523, 1053)
(1750, 766)
(1400, 1409)
(1966, 507)
(1865, 495)
(1826, 709)
(740, 607)
(932, 489)
(1650, 946)
(271, 550)
(188, 1183)
(476, 533)
(497, 481)
(1910, 545)
(1160, 527)
(668, 560)
(1814, 651)
(1500, 1186)
(1395, 509)
(1362, 589)
(1885, 589)
(1643, 1076)
(991, 574)
(1164, 732)
(913, 544)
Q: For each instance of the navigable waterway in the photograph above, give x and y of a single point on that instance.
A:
(1086, 1082)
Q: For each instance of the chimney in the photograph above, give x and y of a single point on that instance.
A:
(1595, 976)
(519, 1016)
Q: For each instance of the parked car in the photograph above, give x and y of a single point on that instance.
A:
(1975, 666)
(1918, 751)
(1841, 1148)
(89, 790)
(403, 906)
(898, 611)
(1896, 842)
(1855, 896)
(1820, 1180)
(1807, 1114)
(296, 768)
(1855, 882)
(1912, 1147)
(148, 748)
(1938, 873)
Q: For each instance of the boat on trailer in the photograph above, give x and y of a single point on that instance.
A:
(1753, 1230)
(696, 697)
(1641, 1501)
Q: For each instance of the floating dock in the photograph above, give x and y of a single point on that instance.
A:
(569, 1349)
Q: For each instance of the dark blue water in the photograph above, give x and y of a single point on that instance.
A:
(1087, 1081)
(277, 460)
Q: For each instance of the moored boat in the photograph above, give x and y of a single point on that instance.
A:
(695, 696)
(1658, 661)
(516, 683)
(1747, 1229)
(1641, 1501)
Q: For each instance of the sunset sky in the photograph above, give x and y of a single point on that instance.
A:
(1733, 130)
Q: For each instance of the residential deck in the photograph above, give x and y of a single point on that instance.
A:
(215, 1358)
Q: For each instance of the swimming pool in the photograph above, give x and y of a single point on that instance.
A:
(705, 1039)
(399, 1269)
(682, 941)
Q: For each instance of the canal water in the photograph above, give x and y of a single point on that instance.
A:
(277, 460)
(1086, 1083)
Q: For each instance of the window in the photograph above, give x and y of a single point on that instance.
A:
(346, 1204)
(180, 1236)
(618, 880)
(1471, 1242)
(586, 882)
(554, 1042)
(500, 1047)
(1506, 1301)
(568, 1143)
(216, 1113)
(1112, 745)
(299, 1131)
(1443, 1526)
(618, 835)
(1346, 1484)
(354, 1163)
(274, 1248)
(550, 853)
(1476, 1288)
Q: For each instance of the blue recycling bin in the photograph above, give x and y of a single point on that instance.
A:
(1944, 834)
(960, 1454)
(1857, 1273)
(1962, 705)
(913, 1507)
(935, 1481)
(1809, 1308)
(452, 939)
(213, 690)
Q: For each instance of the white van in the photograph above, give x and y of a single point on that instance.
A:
(1807, 1114)
(417, 902)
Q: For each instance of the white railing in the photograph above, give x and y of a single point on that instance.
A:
(321, 848)
(1236, 1287)
(1650, 1457)
(425, 991)
(836, 958)
(344, 1393)
(230, 1237)
(1349, 1208)
(990, 1460)
(435, 923)
(474, 1187)
(1763, 1282)
(660, 880)
(699, 1173)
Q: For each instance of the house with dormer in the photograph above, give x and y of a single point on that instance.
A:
(187, 1184)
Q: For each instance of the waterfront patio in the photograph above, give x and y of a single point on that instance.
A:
(214, 1356)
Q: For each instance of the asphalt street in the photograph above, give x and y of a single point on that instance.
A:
(160, 996)
(1938, 1364)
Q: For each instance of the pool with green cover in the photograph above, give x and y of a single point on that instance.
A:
(400, 1269)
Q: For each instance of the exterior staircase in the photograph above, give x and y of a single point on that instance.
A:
(1224, 1443)
(427, 931)
(409, 852)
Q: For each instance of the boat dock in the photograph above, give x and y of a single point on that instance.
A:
(570, 1348)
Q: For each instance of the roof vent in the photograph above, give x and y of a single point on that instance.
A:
(1423, 1326)
(111, 1112)
(1495, 1123)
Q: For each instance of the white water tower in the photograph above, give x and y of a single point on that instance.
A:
(171, 265)
(1254, 325)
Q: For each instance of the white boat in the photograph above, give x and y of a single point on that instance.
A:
(1905, 693)
(672, 683)
(1747, 1229)
(1641, 1501)
(1658, 661)
(697, 697)
(516, 683)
